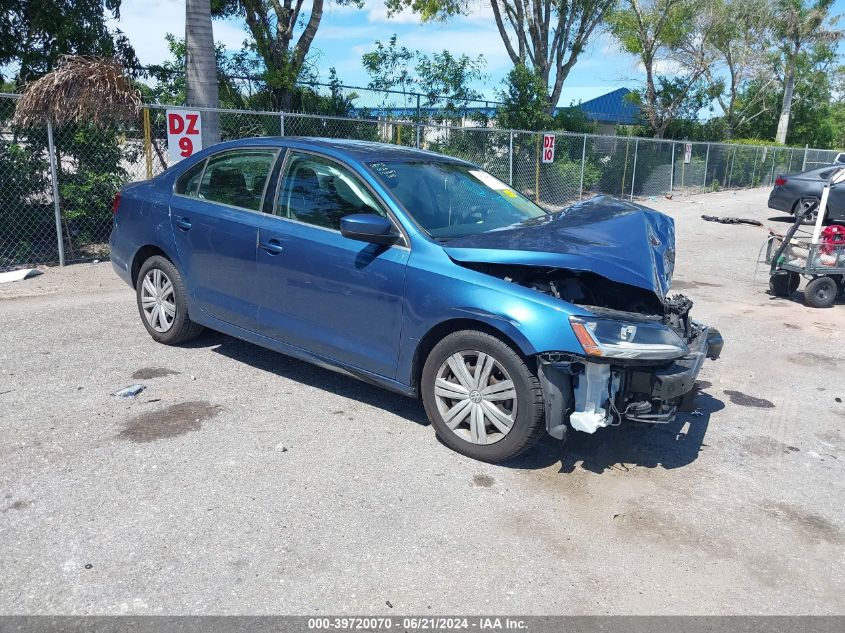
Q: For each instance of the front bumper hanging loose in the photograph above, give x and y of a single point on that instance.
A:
(592, 394)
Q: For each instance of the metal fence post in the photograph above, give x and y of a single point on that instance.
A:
(537, 171)
(510, 158)
(148, 152)
(672, 170)
(754, 165)
(774, 160)
(281, 123)
(731, 170)
(804, 164)
(706, 161)
(51, 148)
(583, 161)
(634, 170)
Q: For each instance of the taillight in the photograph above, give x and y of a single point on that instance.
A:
(780, 181)
(115, 203)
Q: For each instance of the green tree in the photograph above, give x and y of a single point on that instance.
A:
(169, 76)
(389, 67)
(282, 33)
(439, 77)
(545, 35)
(740, 46)
(799, 26)
(446, 81)
(665, 33)
(813, 113)
(524, 101)
(34, 34)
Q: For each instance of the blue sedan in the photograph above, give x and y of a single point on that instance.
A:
(423, 274)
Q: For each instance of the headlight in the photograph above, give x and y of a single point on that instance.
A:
(623, 339)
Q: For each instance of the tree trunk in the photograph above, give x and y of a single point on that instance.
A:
(786, 108)
(201, 67)
(654, 119)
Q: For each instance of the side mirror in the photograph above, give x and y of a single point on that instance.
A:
(368, 227)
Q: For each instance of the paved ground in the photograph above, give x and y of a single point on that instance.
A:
(241, 481)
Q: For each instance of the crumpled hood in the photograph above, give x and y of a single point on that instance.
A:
(622, 241)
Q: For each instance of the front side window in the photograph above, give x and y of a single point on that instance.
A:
(320, 192)
(450, 200)
(237, 178)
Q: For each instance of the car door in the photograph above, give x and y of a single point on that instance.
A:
(321, 291)
(215, 212)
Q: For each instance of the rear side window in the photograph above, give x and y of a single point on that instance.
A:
(188, 183)
(237, 178)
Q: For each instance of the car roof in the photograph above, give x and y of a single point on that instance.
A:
(363, 151)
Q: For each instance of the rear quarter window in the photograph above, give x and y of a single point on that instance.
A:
(188, 183)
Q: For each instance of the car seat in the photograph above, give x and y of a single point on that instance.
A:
(227, 185)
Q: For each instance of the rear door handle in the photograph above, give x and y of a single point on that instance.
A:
(273, 247)
(183, 223)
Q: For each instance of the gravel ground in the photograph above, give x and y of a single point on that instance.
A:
(241, 481)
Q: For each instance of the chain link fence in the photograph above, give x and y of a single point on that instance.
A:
(67, 218)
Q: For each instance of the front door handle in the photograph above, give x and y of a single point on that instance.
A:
(183, 223)
(273, 247)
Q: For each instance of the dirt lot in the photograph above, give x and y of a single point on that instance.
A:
(241, 481)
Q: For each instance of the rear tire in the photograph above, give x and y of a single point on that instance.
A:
(163, 302)
(783, 285)
(491, 397)
(821, 292)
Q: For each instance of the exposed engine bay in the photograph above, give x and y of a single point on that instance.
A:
(591, 392)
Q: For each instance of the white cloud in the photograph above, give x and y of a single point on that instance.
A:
(668, 67)
(146, 22)
(375, 12)
(328, 31)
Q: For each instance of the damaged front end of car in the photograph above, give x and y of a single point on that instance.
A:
(634, 367)
(639, 351)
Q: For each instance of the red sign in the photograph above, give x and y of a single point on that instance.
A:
(548, 148)
(184, 133)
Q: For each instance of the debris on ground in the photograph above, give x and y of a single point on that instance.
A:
(668, 196)
(129, 392)
(19, 275)
(715, 218)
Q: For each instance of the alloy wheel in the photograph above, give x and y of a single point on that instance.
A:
(158, 300)
(804, 205)
(476, 397)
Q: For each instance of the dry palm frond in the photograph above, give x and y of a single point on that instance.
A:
(79, 90)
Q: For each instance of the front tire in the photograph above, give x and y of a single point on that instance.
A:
(162, 302)
(481, 397)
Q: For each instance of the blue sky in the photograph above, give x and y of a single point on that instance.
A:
(346, 33)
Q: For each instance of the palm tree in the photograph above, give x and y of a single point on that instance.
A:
(798, 26)
(201, 67)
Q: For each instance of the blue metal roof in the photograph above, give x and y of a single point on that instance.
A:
(612, 107)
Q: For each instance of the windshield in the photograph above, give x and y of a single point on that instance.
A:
(450, 200)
